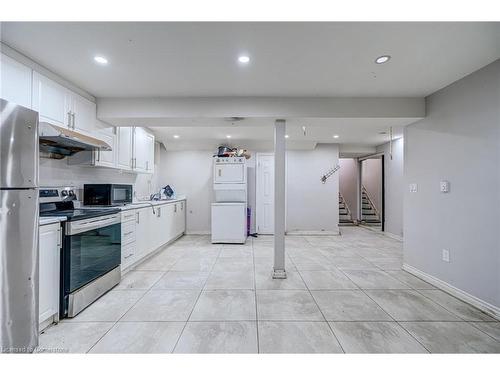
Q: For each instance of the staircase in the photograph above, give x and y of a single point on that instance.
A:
(369, 214)
(345, 217)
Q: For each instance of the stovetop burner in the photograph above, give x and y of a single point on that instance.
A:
(59, 201)
(78, 214)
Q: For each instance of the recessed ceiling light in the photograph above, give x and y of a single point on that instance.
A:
(176, 136)
(100, 60)
(228, 136)
(244, 59)
(287, 136)
(336, 136)
(382, 59)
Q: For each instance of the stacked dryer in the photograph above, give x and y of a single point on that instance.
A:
(229, 212)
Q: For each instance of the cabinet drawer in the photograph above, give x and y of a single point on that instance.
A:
(128, 252)
(128, 232)
(128, 216)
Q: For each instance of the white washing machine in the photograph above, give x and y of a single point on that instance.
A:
(229, 211)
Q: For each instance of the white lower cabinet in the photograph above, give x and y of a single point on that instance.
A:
(129, 244)
(144, 230)
(49, 268)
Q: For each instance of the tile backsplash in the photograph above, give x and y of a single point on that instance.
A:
(58, 173)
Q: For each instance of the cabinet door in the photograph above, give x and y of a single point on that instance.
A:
(140, 151)
(51, 100)
(106, 158)
(144, 231)
(181, 218)
(167, 219)
(49, 268)
(149, 144)
(16, 81)
(84, 114)
(124, 149)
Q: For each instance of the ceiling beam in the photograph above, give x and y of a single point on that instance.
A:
(130, 111)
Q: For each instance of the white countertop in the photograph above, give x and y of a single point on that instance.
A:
(132, 206)
(51, 220)
(143, 204)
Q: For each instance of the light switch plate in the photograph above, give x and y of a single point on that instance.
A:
(446, 256)
(444, 186)
(413, 188)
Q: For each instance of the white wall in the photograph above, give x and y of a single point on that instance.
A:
(348, 184)
(371, 178)
(190, 173)
(458, 141)
(394, 186)
(312, 205)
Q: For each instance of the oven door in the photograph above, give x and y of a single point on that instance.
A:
(92, 248)
(121, 194)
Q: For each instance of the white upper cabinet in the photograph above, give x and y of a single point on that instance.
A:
(124, 148)
(150, 152)
(15, 81)
(107, 158)
(140, 152)
(60, 106)
(52, 101)
(83, 113)
(144, 149)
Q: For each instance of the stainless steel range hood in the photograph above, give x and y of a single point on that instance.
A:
(58, 142)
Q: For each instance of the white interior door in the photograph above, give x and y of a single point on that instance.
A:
(265, 194)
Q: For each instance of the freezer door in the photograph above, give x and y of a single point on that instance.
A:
(18, 146)
(18, 270)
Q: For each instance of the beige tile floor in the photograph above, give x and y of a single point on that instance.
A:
(343, 294)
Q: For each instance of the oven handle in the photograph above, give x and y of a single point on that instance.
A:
(75, 227)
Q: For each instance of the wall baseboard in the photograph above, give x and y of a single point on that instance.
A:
(478, 303)
(199, 232)
(393, 236)
(313, 233)
(378, 231)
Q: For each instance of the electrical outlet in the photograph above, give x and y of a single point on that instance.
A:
(446, 256)
(413, 188)
(444, 186)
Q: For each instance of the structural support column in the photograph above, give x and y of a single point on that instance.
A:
(279, 199)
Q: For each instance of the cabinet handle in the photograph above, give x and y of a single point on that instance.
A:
(128, 256)
(147, 165)
(137, 217)
(69, 119)
(158, 210)
(73, 120)
(126, 234)
(220, 172)
(175, 207)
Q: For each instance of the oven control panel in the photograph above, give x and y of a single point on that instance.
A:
(57, 194)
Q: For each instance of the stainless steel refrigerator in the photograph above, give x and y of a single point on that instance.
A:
(18, 228)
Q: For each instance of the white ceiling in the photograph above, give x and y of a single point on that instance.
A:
(257, 134)
(288, 59)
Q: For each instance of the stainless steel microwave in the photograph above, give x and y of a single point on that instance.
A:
(106, 194)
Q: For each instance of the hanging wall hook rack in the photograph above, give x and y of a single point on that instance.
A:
(329, 174)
